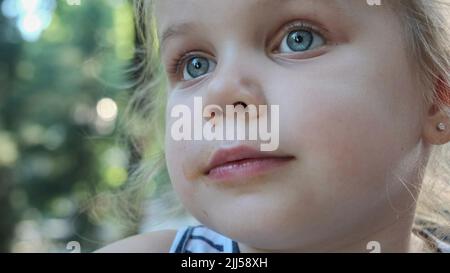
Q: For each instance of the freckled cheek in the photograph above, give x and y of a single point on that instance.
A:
(178, 171)
(177, 157)
(182, 159)
(175, 151)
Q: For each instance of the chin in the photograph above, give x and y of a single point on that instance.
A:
(258, 228)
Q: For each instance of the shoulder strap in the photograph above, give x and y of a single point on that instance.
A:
(200, 239)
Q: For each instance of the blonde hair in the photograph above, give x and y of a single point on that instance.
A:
(427, 25)
(428, 36)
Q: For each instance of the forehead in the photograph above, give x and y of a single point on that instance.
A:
(170, 10)
(219, 20)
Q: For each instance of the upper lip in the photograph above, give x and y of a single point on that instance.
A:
(226, 155)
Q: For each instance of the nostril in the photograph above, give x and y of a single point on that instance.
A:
(240, 103)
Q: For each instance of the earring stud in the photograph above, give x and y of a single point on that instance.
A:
(441, 126)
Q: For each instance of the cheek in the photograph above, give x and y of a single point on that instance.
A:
(345, 150)
(351, 115)
(348, 143)
(178, 173)
(184, 158)
(174, 154)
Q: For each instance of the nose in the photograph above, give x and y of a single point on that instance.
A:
(235, 82)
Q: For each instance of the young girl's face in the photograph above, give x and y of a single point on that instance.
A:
(351, 116)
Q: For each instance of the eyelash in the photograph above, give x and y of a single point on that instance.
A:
(178, 60)
(301, 25)
(183, 56)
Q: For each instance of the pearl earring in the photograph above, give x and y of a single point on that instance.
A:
(441, 126)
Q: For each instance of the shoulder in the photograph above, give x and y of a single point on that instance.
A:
(435, 237)
(153, 242)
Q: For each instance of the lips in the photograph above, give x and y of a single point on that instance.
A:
(242, 161)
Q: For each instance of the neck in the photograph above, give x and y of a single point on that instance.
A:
(392, 237)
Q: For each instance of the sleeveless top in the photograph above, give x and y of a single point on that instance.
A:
(436, 237)
(200, 239)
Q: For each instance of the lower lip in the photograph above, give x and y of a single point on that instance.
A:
(246, 168)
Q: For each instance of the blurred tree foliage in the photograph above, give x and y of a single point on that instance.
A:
(56, 148)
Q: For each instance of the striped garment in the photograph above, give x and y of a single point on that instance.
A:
(200, 239)
(436, 237)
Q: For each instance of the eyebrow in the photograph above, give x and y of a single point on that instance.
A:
(186, 27)
(176, 30)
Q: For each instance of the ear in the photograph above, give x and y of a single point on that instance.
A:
(436, 129)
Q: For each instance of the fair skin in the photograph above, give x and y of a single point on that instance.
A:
(351, 114)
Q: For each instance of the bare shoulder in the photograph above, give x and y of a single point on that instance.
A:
(153, 242)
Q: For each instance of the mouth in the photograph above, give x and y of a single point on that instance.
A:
(243, 162)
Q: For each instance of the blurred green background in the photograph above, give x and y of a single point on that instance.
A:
(62, 92)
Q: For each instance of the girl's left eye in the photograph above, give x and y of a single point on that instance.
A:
(300, 40)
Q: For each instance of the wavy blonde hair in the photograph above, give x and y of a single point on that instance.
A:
(428, 36)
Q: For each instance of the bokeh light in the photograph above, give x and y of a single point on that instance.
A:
(107, 109)
(32, 16)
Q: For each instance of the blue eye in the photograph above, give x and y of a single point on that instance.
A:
(300, 40)
(196, 67)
